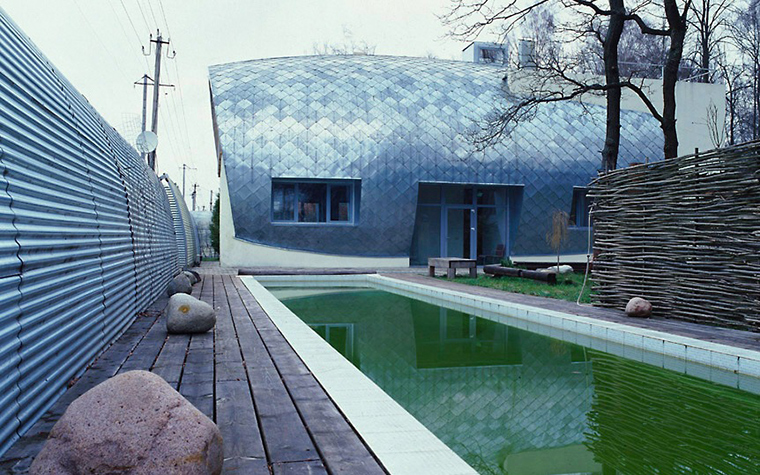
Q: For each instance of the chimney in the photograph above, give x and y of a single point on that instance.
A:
(482, 52)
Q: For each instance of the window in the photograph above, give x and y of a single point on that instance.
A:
(327, 202)
(492, 55)
(580, 209)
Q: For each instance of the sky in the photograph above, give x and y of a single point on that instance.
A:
(97, 44)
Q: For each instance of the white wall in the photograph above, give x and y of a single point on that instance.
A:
(236, 252)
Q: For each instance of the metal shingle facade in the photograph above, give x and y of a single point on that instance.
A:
(393, 122)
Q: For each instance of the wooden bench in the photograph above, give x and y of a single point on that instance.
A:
(451, 264)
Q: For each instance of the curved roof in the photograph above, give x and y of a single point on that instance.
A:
(392, 122)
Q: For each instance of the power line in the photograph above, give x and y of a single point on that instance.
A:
(181, 118)
(163, 14)
(129, 17)
(100, 41)
(153, 15)
(183, 127)
(182, 105)
(171, 118)
(183, 137)
(145, 20)
(123, 30)
(169, 135)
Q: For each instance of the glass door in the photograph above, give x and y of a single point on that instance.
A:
(459, 231)
(492, 235)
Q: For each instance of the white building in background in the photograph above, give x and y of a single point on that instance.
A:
(700, 107)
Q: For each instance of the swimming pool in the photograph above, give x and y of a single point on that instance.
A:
(512, 401)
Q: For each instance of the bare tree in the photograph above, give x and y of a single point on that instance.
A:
(677, 32)
(732, 72)
(708, 21)
(557, 74)
(745, 35)
(349, 46)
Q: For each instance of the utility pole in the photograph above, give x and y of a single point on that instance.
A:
(195, 188)
(145, 107)
(156, 81)
(211, 201)
(184, 169)
(144, 83)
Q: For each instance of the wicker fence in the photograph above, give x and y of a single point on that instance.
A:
(683, 233)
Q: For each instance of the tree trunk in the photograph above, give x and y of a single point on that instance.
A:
(705, 59)
(612, 76)
(677, 24)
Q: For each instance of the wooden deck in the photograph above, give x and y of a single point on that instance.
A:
(274, 416)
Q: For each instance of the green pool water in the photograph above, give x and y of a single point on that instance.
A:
(513, 402)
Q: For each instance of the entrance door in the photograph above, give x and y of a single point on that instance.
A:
(465, 221)
(460, 232)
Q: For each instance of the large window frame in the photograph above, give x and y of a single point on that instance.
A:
(353, 189)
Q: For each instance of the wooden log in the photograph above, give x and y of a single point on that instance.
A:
(498, 270)
(549, 277)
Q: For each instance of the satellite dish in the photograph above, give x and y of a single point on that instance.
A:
(146, 142)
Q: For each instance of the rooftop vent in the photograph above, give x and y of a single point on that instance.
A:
(481, 52)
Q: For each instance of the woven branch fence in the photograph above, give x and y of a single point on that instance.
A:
(683, 233)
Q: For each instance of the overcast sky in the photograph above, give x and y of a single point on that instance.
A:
(96, 45)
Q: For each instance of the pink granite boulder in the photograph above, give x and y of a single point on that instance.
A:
(638, 307)
(133, 423)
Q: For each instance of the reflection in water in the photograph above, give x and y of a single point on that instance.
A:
(645, 420)
(509, 401)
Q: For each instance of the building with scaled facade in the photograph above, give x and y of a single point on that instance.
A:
(368, 161)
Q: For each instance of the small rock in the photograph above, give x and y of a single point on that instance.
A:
(638, 307)
(191, 276)
(563, 269)
(132, 423)
(187, 314)
(180, 284)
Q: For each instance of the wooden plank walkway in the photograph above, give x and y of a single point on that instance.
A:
(274, 416)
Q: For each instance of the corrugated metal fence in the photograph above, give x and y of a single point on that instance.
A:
(185, 228)
(87, 238)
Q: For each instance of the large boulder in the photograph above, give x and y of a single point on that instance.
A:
(179, 285)
(193, 276)
(186, 314)
(132, 423)
(638, 307)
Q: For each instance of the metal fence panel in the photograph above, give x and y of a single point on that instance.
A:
(86, 234)
(179, 229)
(185, 229)
(127, 286)
(54, 213)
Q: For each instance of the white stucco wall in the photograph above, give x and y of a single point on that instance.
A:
(236, 252)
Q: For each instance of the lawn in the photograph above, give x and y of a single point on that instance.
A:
(568, 286)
